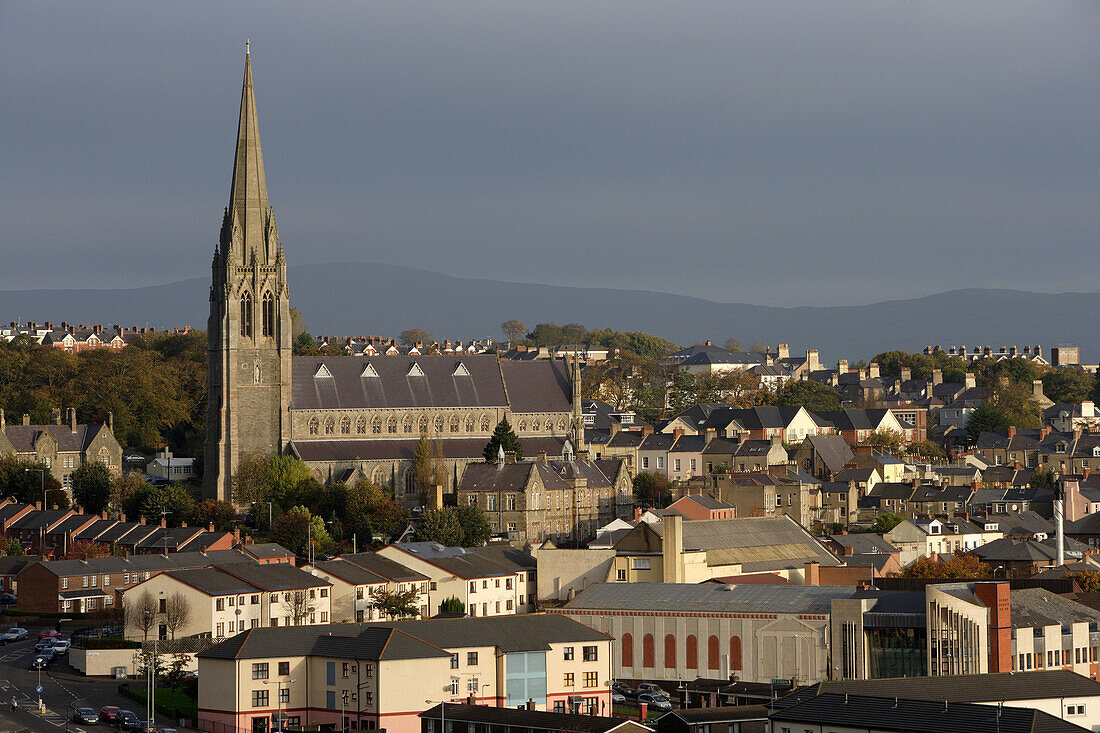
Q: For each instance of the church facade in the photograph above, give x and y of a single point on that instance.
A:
(348, 417)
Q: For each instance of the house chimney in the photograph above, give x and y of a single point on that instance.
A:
(1088, 408)
(906, 374)
(672, 548)
(142, 520)
(1011, 431)
(163, 522)
(783, 351)
(1044, 431)
(811, 573)
(509, 456)
(707, 343)
(872, 370)
(1037, 390)
(72, 419)
(55, 416)
(111, 422)
(842, 366)
(210, 527)
(3, 420)
(813, 362)
(26, 419)
(937, 377)
(615, 427)
(971, 380)
(711, 434)
(677, 433)
(647, 430)
(542, 458)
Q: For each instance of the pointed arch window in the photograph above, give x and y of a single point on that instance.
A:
(376, 426)
(314, 426)
(345, 425)
(269, 314)
(391, 425)
(407, 425)
(246, 314)
(422, 424)
(484, 423)
(454, 424)
(361, 426)
(469, 423)
(439, 423)
(330, 426)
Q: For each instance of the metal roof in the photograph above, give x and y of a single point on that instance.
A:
(709, 598)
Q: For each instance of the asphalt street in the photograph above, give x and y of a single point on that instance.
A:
(63, 690)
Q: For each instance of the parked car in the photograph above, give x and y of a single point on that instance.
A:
(125, 718)
(15, 634)
(8, 599)
(49, 634)
(43, 644)
(655, 702)
(107, 713)
(42, 660)
(86, 715)
(650, 688)
(61, 646)
(617, 698)
(142, 726)
(626, 691)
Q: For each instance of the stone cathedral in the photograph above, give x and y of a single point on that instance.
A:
(347, 417)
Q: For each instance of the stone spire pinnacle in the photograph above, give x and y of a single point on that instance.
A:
(249, 212)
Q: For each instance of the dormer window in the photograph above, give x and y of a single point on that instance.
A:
(1060, 447)
(1096, 452)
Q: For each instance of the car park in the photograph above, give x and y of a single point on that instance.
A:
(107, 713)
(125, 718)
(87, 716)
(655, 702)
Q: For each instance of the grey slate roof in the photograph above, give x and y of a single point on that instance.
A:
(863, 543)
(522, 719)
(833, 450)
(1039, 607)
(992, 686)
(349, 572)
(709, 598)
(385, 567)
(274, 577)
(23, 437)
(757, 543)
(402, 449)
(213, 581)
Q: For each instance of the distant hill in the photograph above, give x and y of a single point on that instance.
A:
(362, 298)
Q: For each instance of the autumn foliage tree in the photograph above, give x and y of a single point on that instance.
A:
(959, 567)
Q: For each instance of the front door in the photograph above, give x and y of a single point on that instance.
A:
(259, 725)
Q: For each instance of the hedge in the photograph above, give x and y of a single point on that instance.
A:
(108, 642)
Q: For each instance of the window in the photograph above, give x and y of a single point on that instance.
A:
(64, 583)
(255, 599)
(471, 658)
(454, 685)
(330, 426)
(648, 652)
(472, 686)
(345, 425)
(510, 502)
(491, 502)
(567, 654)
(639, 563)
(568, 680)
(314, 426)
(645, 461)
(589, 653)
(670, 651)
(219, 604)
(620, 575)
(259, 671)
(676, 464)
(627, 647)
(559, 706)
(591, 679)
(246, 320)
(473, 586)
(259, 698)
(284, 695)
(284, 669)
(220, 631)
(454, 661)
(712, 653)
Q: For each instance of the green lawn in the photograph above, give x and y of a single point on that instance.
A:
(169, 702)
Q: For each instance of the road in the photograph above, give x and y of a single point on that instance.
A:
(62, 690)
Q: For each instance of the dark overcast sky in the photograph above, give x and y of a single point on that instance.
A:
(772, 152)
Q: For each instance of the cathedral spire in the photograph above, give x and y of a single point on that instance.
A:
(248, 206)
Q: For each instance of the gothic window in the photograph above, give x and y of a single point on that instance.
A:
(345, 425)
(246, 314)
(469, 423)
(561, 425)
(330, 426)
(439, 423)
(313, 426)
(407, 426)
(423, 423)
(376, 426)
(379, 476)
(523, 426)
(269, 314)
(535, 425)
(391, 425)
(410, 481)
(361, 426)
(454, 424)
(484, 423)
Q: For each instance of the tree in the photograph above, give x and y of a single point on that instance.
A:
(503, 437)
(13, 547)
(298, 605)
(1068, 386)
(123, 491)
(1087, 580)
(474, 523)
(959, 567)
(452, 604)
(1017, 401)
(887, 521)
(92, 486)
(809, 394)
(304, 345)
(252, 481)
(651, 490)
(177, 613)
(141, 614)
(759, 347)
(986, 418)
(395, 603)
(886, 439)
(1042, 478)
(732, 344)
(428, 467)
(440, 525)
(86, 550)
(513, 330)
(222, 514)
(414, 336)
(927, 449)
(287, 475)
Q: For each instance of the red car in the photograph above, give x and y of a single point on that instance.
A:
(108, 713)
(49, 634)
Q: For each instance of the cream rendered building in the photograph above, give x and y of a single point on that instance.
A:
(381, 675)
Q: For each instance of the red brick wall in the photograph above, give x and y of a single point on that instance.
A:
(38, 589)
(996, 597)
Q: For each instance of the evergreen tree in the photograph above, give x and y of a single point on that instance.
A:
(92, 486)
(475, 525)
(453, 604)
(503, 436)
(440, 525)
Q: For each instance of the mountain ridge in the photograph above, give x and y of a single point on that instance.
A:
(351, 298)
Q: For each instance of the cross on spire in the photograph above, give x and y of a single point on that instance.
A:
(246, 51)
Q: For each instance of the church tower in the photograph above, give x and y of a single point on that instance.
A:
(249, 331)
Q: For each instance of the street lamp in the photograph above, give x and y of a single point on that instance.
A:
(279, 700)
(42, 529)
(442, 713)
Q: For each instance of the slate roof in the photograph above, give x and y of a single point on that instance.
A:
(688, 444)
(708, 598)
(384, 566)
(402, 449)
(1035, 607)
(863, 543)
(756, 543)
(458, 561)
(833, 450)
(522, 719)
(213, 581)
(154, 562)
(349, 572)
(855, 474)
(890, 490)
(267, 549)
(274, 577)
(920, 716)
(538, 386)
(496, 476)
(707, 502)
(407, 639)
(1018, 523)
(23, 437)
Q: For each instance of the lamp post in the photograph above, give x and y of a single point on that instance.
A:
(42, 529)
(279, 701)
(442, 714)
